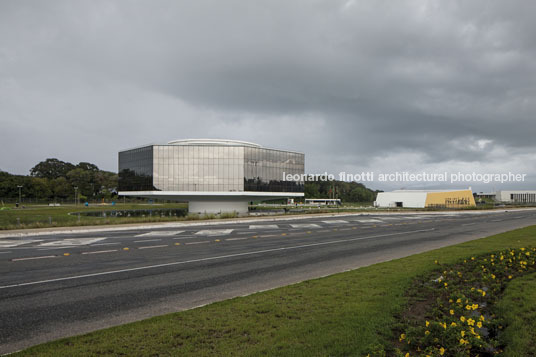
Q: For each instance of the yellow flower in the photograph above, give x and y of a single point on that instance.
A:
(462, 318)
(479, 324)
(472, 258)
(462, 333)
(426, 332)
(459, 301)
(492, 276)
(475, 306)
(451, 312)
(402, 337)
(471, 322)
(482, 318)
(427, 323)
(446, 284)
(406, 355)
(441, 351)
(509, 277)
(468, 307)
(453, 324)
(483, 293)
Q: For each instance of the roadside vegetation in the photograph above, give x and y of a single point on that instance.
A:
(356, 313)
(453, 310)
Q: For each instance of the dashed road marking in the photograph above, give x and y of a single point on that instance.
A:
(305, 225)
(368, 220)
(335, 221)
(214, 232)
(159, 234)
(202, 242)
(98, 244)
(100, 251)
(153, 246)
(237, 238)
(33, 258)
(264, 226)
(147, 240)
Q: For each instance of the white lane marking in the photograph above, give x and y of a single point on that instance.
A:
(32, 258)
(4, 252)
(186, 238)
(159, 234)
(5, 243)
(204, 241)
(305, 225)
(496, 220)
(264, 226)
(335, 221)
(100, 251)
(269, 235)
(237, 238)
(153, 246)
(98, 244)
(71, 242)
(214, 232)
(368, 220)
(147, 240)
(73, 277)
(245, 232)
(468, 224)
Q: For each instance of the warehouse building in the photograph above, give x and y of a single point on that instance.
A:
(213, 176)
(426, 199)
(516, 196)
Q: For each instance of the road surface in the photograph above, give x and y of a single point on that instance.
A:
(58, 285)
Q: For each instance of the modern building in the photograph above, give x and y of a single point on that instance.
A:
(516, 196)
(426, 199)
(213, 176)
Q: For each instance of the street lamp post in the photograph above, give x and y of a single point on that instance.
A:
(20, 194)
(75, 195)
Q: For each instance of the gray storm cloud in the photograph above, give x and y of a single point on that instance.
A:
(356, 85)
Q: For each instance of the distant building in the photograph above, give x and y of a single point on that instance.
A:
(213, 176)
(323, 201)
(426, 199)
(516, 196)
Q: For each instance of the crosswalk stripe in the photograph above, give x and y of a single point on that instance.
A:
(159, 234)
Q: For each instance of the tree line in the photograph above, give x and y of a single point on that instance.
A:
(54, 179)
(346, 191)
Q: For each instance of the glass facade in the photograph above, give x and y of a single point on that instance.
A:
(136, 169)
(209, 168)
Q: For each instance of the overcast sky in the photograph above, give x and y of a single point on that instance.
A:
(356, 85)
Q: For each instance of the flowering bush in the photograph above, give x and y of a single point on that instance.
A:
(458, 317)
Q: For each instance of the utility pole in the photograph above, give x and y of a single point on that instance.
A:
(75, 195)
(20, 194)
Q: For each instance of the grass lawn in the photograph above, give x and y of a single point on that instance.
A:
(518, 306)
(344, 314)
(39, 216)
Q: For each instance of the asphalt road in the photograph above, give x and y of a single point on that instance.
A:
(54, 285)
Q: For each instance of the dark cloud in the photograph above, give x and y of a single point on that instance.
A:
(353, 84)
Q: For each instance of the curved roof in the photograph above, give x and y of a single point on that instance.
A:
(213, 142)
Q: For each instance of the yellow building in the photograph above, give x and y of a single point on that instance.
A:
(426, 198)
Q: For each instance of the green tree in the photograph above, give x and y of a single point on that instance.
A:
(51, 169)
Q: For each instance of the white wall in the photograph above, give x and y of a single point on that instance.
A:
(408, 198)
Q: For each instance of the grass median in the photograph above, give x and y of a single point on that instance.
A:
(351, 313)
